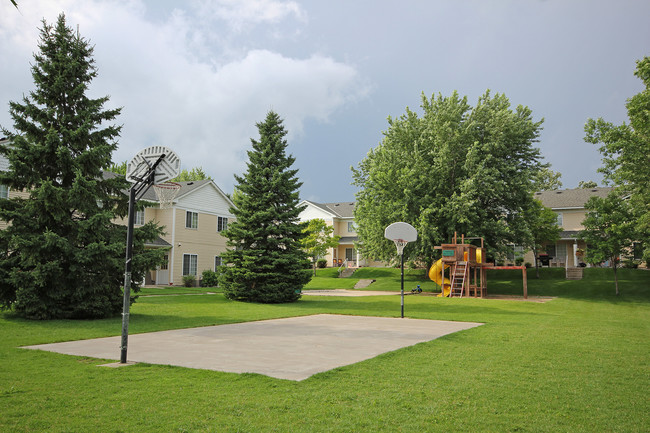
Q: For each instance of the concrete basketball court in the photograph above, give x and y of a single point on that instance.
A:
(293, 348)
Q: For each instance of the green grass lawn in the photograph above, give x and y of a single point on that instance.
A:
(579, 363)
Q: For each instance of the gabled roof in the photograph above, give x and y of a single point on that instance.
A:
(570, 198)
(187, 187)
(339, 210)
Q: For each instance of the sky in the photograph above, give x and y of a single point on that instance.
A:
(196, 76)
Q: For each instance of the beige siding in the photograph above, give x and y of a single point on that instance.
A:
(203, 241)
(10, 195)
(572, 219)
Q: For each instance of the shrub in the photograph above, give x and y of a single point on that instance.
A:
(188, 280)
(630, 264)
(528, 265)
(519, 261)
(209, 278)
(321, 263)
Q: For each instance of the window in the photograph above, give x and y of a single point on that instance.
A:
(165, 264)
(560, 219)
(189, 264)
(191, 220)
(222, 223)
(139, 218)
(550, 250)
(217, 263)
(351, 228)
(4, 191)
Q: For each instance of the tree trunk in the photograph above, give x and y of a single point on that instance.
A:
(615, 276)
(536, 262)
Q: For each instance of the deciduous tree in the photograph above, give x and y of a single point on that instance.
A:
(608, 230)
(457, 168)
(318, 239)
(543, 228)
(266, 260)
(626, 153)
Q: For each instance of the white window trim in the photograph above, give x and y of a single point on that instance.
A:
(187, 213)
(222, 218)
(196, 263)
(139, 218)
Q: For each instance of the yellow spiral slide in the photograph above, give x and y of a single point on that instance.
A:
(435, 274)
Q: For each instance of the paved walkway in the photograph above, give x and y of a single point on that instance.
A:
(294, 348)
(347, 292)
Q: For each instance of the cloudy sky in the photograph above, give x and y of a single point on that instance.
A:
(196, 76)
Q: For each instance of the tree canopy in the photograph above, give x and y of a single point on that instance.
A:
(195, 173)
(61, 256)
(626, 153)
(608, 230)
(457, 168)
(542, 224)
(267, 261)
(547, 179)
(586, 184)
(318, 239)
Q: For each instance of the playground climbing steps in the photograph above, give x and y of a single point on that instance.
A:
(458, 279)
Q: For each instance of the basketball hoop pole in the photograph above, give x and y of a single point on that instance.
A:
(402, 256)
(135, 193)
(401, 233)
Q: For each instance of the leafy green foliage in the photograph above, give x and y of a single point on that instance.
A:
(209, 278)
(118, 168)
(195, 173)
(608, 230)
(61, 256)
(626, 153)
(586, 184)
(547, 179)
(543, 228)
(318, 239)
(189, 280)
(456, 169)
(267, 261)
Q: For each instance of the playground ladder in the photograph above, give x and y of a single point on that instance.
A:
(458, 280)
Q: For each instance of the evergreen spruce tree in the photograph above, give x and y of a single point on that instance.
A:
(267, 262)
(60, 255)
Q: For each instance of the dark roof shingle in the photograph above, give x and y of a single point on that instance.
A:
(570, 198)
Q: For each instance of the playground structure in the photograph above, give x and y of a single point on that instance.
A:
(467, 269)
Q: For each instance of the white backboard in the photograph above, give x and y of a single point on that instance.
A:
(401, 230)
(168, 168)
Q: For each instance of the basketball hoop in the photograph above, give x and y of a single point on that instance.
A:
(401, 233)
(400, 244)
(166, 193)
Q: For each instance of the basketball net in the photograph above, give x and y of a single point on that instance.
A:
(166, 193)
(400, 244)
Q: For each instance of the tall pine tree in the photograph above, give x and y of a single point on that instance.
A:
(267, 262)
(61, 255)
